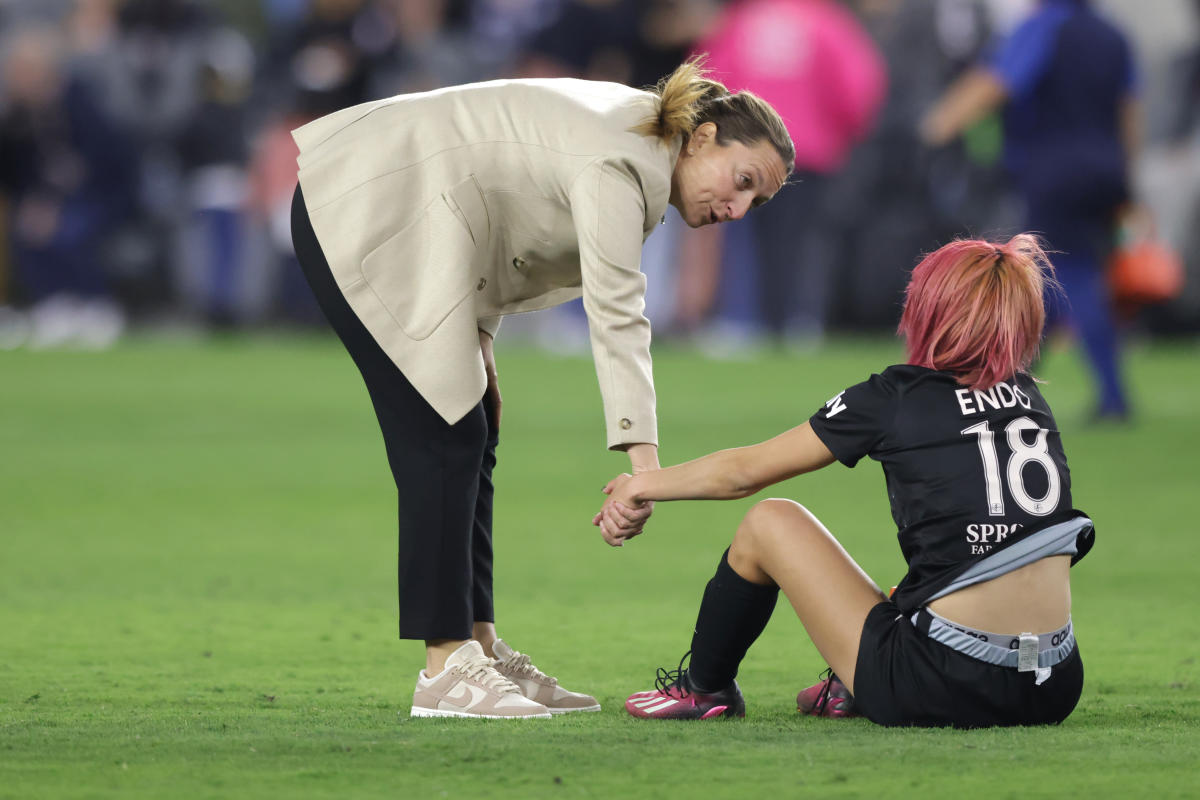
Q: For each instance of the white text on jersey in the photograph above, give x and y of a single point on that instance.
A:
(835, 406)
(1002, 395)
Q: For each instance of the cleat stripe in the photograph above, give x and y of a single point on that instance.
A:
(663, 705)
(646, 701)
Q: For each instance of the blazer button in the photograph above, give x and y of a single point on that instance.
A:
(482, 283)
(519, 263)
(626, 424)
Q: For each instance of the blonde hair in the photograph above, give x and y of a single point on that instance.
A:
(688, 98)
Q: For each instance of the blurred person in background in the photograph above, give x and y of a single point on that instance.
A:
(327, 59)
(331, 56)
(213, 263)
(433, 48)
(501, 29)
(280, 13)
(15, 14)
(1066, 80)
(92, 28)
(599, 40)
(421, 220)
(811, 60)
(1169, 175)
(150, 75)
(895, 195)
(271, 179)
(69, 174)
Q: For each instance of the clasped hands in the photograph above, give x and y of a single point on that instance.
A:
(621, 517)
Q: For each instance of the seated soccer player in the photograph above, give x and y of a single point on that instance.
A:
(978, 632)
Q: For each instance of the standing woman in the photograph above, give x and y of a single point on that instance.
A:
(422, 219)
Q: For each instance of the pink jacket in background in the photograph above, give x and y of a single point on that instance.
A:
(812, 61)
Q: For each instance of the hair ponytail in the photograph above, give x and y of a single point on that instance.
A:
(681, 96)
(688, 98)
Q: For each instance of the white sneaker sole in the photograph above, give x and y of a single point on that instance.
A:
(573, 710)
(437, 712)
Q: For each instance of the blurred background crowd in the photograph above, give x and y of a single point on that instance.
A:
(146, 164)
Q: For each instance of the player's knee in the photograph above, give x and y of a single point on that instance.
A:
(767, 522)
(775, 512)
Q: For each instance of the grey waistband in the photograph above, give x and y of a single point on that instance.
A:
(995, 648)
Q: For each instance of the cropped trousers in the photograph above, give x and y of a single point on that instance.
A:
(443, 472)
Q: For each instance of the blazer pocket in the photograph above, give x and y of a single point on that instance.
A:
(424, 271)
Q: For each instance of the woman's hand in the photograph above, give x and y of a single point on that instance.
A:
(493, 379)
(622, 516)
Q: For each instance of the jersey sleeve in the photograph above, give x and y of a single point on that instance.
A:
(1021, 59)
(854, 422)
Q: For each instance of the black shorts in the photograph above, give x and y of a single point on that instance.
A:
(902, 677)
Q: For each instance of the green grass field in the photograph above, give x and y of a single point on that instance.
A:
(197, 597)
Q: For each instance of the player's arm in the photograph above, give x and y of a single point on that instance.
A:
(1012, 71)
(972, 97)
(727, 474)
(723, 475)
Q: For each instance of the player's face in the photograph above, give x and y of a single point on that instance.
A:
(717, 183)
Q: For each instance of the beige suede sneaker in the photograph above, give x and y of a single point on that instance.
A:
(470, 686)
(538, 686)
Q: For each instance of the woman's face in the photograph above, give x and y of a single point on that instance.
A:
(715, 183)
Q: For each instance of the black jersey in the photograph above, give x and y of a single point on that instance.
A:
(968, 472)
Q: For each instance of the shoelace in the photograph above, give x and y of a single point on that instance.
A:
(823, 696)
(520, 664)
(483, 671)
(668, 679)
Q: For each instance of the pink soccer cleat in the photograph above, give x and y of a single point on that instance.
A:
(673, 698)
(829, 698)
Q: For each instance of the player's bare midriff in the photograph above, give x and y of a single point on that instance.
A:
(1035, 599)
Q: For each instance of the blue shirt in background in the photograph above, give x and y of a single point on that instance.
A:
(1067, 72)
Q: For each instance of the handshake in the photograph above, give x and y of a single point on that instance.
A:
(622, 516)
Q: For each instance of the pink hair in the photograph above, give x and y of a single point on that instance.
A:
(974, 308)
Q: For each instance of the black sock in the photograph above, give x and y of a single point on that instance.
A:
(733, 613)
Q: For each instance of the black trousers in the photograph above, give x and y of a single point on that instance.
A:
(443, 473)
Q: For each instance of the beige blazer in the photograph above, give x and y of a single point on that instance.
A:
(441, 212)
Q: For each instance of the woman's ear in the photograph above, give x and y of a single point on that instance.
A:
(704, 135)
